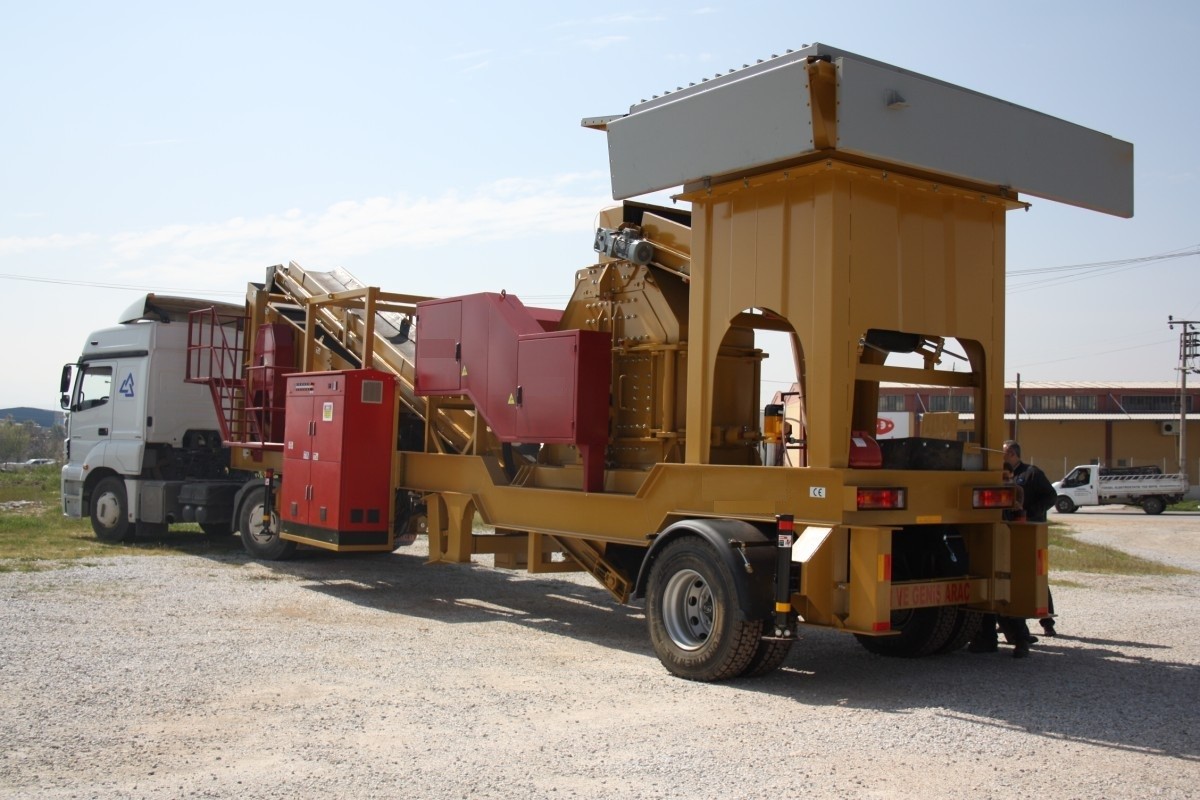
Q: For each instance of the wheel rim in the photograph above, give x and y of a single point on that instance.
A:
(688, 609)
(108, 510)
(255, 527)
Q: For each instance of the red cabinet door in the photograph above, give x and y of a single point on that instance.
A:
(297, 455)
(439, 343)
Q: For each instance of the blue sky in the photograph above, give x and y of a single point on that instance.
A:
(430, 149)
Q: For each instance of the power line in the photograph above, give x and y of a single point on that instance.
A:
(99, 285)
(1067, 273)
(1076, 272)
(1190, 250)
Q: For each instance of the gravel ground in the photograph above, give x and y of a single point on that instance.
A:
(379, 676)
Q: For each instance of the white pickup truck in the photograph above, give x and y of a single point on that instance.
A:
(1093, 485)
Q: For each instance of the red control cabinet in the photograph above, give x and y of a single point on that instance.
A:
(338, 443)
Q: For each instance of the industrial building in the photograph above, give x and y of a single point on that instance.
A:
(1059, 424)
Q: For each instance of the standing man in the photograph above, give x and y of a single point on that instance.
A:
(1039, 498)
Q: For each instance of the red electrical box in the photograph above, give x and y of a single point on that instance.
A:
(337, 458)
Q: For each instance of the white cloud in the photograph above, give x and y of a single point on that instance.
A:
(601, 42)
(222, 255)
(16, 245)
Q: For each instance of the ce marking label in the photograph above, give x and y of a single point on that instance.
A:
(817, 492)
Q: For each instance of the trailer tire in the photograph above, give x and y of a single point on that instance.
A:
(110, 511)
(1064, 505)
(267, 547)
(769, 656)
(1154, 505)
(697, 629)
(922, 632)
(966, 625)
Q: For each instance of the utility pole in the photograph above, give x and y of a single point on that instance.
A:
(1189, 350)
(1017, 411)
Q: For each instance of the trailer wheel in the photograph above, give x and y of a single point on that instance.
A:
(921, 632)
(768, 656)
(260, 544)
(966, 625)
(1064, 505)
(1153, 505)
(110, 511)
(696, 626)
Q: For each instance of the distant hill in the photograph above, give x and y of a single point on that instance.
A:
(40, 416)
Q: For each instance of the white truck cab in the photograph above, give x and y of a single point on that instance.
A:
(135, 428)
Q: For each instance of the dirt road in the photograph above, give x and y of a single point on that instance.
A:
(373, 677)
(1172, 537)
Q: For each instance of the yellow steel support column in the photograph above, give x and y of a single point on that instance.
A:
(1030, 570)
(451, 516)
(823, 576)
(870, 579)
(990, 547)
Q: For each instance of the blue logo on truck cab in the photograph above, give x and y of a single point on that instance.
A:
(126, 389)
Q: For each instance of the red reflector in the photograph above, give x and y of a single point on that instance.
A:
(1042, 612)
(880, 627)
(785, 523)
(876, 499)
(998, 497)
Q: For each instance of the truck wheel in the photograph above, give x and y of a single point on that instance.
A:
(262, 545)
(1153, 505)
(110, 515)
(921, 632)
(1064, 505)
(696, 627)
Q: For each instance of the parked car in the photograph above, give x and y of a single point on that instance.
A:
(14, 466)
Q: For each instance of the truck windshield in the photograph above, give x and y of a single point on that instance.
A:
(1079, 477)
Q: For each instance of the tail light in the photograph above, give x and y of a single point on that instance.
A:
(994, 497)
(877, 499)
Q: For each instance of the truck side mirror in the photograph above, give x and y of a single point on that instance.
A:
(64, 387)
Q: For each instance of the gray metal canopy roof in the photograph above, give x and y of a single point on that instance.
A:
(761, 115)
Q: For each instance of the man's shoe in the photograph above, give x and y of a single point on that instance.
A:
(982, 647)
(1031, 639)
(1048, 629)
(1021, 650)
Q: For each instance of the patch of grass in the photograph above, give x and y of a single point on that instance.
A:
(35, 536)
(1185, 505)
(38, 484)
(1070, 554)
(1063, 582)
